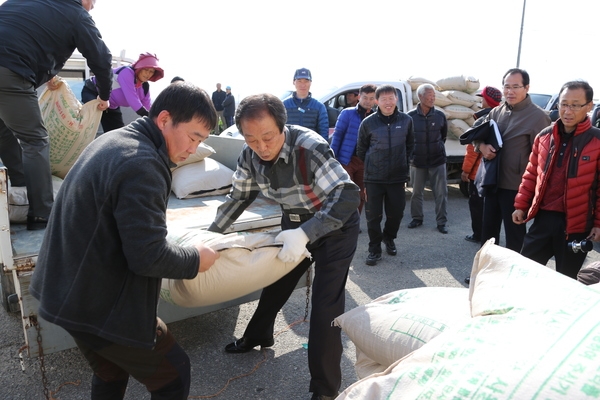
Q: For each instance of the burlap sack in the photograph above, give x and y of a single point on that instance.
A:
(461, 98)
(456, 127)
(247, 263)
(416, 81)
(458, 112)
(70, 125)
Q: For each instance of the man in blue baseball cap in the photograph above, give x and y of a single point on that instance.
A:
(304, 110)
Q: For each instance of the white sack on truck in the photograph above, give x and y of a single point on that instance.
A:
(71, 126)
(247, 263)
(18, 204)
(462, 83)
(534, 335)
(207, 177)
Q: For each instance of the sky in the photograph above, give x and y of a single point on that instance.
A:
(255, 46)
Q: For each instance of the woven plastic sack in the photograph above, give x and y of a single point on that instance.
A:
(71, 126)
(534, 335)
(396, 324)
(247, 263)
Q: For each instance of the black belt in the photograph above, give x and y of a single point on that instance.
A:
(298, 217)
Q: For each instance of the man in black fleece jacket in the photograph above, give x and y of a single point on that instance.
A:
(105, 250)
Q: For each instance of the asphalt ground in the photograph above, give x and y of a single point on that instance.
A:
(425, 258)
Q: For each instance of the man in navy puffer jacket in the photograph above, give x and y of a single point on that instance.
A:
(385, 144)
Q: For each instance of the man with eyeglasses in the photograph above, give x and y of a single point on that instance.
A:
(519, 121)
(560, 187)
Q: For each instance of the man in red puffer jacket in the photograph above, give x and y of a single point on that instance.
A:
(560, 185)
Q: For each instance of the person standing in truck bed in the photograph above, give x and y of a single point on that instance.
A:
(37, 37)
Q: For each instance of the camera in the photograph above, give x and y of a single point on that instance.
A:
(583, 246)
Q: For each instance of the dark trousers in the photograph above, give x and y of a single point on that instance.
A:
(111, 118)
(497, 209)
(383, 197)
(228, 120)
(476, 210)
(24, 142)
(332, 255)
(356, 170)
(546, 238)
(164, 369)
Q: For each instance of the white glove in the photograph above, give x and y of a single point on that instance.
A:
(294, 245)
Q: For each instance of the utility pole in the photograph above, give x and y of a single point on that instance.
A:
(521, 34)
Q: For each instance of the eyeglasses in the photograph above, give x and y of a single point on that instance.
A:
(573, 107)
(513, 88)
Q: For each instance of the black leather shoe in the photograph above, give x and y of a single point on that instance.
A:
(372, 258)
(244, 345)
(36, 223)
(442, 229)
(472, 238)
(390, 247)
(468, 280)
(414, 223)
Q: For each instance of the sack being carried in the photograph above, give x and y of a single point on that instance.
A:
(71, 126)
(247, 263)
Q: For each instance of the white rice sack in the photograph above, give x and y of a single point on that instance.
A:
(415, 97)
(201, 153)
(476, 107)
(470, 121)
(247, 263)
(453, 83)
(396, 324)
(457, 127)
(203, 178)
(18, 205)
(495, 288)
(441, 100)
(472, 84)
(416, 81)
(442, 110)
(70, 125)
(458, 112)
(536, 337)
(461, 98)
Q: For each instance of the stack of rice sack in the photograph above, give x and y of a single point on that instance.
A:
(200, 175)
(455, 97)
(532, 333)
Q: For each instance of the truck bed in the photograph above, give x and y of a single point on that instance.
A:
(19, 258)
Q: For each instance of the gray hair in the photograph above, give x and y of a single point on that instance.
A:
(423, 88)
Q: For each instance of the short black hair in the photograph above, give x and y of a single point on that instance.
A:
(368, 88)
(523, 73)
(185, 102)
(258, 105)
(579, 84)
(385, 89)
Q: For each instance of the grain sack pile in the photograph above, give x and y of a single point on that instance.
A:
(200, 175)
(247, 263)
(455, 97)
(534, 334)
(71, 126)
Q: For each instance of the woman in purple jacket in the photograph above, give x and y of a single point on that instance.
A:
(130, 89)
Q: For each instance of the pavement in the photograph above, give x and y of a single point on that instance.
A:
(425, 257)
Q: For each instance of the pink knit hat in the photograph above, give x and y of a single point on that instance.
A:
(149, 60)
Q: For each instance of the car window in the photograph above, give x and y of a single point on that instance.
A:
(540, 100)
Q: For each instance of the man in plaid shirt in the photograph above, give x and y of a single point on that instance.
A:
(295, 167)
